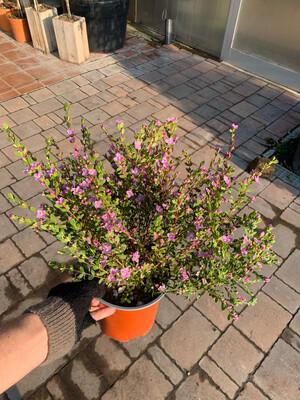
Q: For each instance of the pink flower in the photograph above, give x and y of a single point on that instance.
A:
(165, 162)
(40, 214)
(244, 251)
(135, 171)
(60, 201)
(170, 141)
(256, 178)
(159, 209)
(119, 122)
(267, 279)
(135, 256)
(98, 204)
(227, 180)
(129, 193)
(92, 172)
(103, 262)
(190, 236)
(106, 249)
(38, 175)
(226, 239)
(137, 145)
(112, 275)
(253, 199)
(171, 237)
(234, 126)
(245, 239)
(118, 157)
(184, 274)
(125, 273)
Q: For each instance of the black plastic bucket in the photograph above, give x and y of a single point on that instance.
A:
(105, 21)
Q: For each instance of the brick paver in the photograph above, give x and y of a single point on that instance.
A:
(295, 324)
(10, 256)
(165, 364)
(197, 386)
(279, 194)
(181, 342)
(279, 374)
(286, 240)
(289, 271)
(154, 384)
(219, 377)
(237, 356)
(192, 351)
(212, 311)
(264, 322)
(251, 392)
(283, 294)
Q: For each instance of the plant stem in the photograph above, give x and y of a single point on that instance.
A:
(68, 9)
(20, 12)
(36, 5)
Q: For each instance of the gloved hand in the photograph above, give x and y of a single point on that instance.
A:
(66, 312)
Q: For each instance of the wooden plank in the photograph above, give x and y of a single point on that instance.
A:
(41, 28)
(71, 40)
(60, 38)
(85, 42)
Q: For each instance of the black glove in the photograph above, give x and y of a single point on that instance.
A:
(65, 313)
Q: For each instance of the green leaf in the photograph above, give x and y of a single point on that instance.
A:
(157, 221)
(18, 153)
(11, 197)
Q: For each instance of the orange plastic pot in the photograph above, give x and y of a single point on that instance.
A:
(129, 322)
(20, 29)
(4, 22)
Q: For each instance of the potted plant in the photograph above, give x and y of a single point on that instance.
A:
(41, 28)
(106, 22)
(71, 37)
(19, 25)
(6, 8)
(139, 230)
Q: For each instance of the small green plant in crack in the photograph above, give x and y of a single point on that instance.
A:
(285, 152)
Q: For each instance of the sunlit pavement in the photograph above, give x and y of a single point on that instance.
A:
(192, 351)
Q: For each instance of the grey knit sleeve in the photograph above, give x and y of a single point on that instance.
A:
(59, 320)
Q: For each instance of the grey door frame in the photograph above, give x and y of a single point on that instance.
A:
(251, 63)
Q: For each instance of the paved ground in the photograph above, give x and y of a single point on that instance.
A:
(192, 352)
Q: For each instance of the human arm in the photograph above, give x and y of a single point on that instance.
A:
(44, 333)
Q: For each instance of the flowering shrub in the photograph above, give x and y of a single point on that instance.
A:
(141, 229)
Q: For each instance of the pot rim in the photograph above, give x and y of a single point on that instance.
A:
(124, 308)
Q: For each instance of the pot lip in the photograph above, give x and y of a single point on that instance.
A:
(124, 308)
(18, 19)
